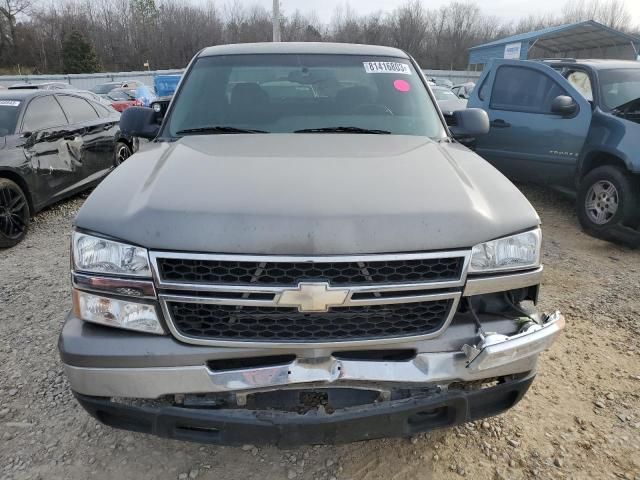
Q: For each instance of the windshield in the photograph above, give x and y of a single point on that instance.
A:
(619, 86)
(104, 88)
(444, 94)
(9, 110)
(121, 95)
(284, 93)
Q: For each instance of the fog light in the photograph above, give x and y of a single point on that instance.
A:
(141, 317)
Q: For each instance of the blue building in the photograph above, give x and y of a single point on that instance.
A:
(588, 39)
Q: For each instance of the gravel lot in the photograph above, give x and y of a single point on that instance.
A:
(581, 419)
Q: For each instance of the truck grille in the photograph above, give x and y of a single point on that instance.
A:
(276, 324)
(235, 300)
(290, 273)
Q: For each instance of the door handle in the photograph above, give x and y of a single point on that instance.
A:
(70, 138)
(499, 123)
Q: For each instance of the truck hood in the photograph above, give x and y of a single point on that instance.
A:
(306, 194)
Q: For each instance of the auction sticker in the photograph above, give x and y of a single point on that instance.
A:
(387, 67)
(9, 103)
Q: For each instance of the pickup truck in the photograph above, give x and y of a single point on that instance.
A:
(320, 262)
(571, 124)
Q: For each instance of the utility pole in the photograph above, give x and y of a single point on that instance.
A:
(276, 20)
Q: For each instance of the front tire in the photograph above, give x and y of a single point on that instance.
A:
(123, 151)
(14, 214)
(607, 197)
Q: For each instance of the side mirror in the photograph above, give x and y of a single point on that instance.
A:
(139, 122)
(564, 106)
(469, 123)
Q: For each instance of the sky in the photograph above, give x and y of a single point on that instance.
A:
(505, 9)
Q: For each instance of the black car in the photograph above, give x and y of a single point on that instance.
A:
(52, 145)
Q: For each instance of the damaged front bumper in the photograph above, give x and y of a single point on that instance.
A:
(399, 418)
(496, 356)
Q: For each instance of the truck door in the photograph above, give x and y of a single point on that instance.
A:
(527, 141)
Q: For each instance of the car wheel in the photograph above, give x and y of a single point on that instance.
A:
(607, 197)
(14, 213)
(122, 152)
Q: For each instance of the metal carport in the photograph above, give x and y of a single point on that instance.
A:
(588, 39)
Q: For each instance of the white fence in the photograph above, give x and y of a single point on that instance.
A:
(86, 81)
(456, 76)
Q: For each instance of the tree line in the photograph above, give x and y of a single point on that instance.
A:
(77, 36)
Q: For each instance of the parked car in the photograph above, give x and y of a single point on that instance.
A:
(325, 269)
(105, 88)
(444, 82)
(123, 98)
(160, 105)
(55, 144)
(40, 86)
(92, 96)
(464, 90)
(448, 101)
(571, 124)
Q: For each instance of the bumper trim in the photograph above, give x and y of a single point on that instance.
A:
(500, 283)
(427, 368)
(237, 427)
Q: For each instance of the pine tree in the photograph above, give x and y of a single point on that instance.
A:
(78, 55)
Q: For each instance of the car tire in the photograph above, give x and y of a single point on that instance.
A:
(607, 198)
(14, 214)
(123, 151)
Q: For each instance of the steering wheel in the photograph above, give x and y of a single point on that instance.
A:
(372, 108)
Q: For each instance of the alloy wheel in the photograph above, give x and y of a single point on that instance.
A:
(122, 154)
(13, 212)
(602, 202)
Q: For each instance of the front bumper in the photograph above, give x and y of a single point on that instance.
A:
(237, 427)
(512, 355)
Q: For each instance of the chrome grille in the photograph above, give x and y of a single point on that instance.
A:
(269, 324)
(239, 300)
(291, 273)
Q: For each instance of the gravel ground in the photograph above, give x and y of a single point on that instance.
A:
(581, 419)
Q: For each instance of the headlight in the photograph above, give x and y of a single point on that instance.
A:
(97, 255)
(157, 107)
(509, 253)
(113, 312)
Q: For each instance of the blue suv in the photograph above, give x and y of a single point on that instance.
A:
(573, 125)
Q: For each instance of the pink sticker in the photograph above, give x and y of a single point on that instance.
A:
(402, 85)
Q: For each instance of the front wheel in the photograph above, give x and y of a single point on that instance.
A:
(14, 214)
(607, 197)
(122, 152)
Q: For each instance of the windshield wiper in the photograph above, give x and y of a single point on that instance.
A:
(216, 129)
(343, 130)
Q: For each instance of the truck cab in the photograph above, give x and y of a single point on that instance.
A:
(570, 124)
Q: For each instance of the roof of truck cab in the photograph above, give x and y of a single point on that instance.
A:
(302, 48)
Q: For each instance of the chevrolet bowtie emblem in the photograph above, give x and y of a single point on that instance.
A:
(313, 297)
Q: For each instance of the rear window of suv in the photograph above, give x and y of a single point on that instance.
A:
(283, 93)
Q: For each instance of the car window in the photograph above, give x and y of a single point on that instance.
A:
(104, 88)
(443, 94)
(77, 109)
(285, 93)
(580, 81)
(619, 86)
(101, 109)
(9, 110)
(524, 89)
(43, 112)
